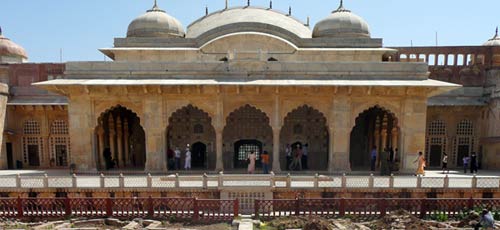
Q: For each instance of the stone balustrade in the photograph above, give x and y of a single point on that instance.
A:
(221, 181)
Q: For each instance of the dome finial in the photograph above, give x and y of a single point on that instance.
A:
(248, 3)
(155, 7)
(341, 8)
(271, 4)
(290, 11)
(0, 31)
(496, 32)
(206, 10)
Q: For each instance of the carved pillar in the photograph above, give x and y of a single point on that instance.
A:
(339, 127)
(119, 141)
(219, 164)
(276, 150)
(126, 136)
(377, 138)
(100, 150)
(384, 133)
(331, 152)
(413, 126)
(4, 93)
(82, 133)
(154, 126)
(112, 136)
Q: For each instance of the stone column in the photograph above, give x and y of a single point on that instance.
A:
(112, 136)
(377, 138)
(100, 150)
(219, 164)
(339, 130)
(119, 142)
(384, 133)
(276, 150)
(413, 124)
(154, 126)
(394, 138)
(4, 93)
(126, 136)
(81, 132)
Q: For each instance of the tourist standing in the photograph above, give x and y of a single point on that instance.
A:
(465, 161)
(251, 162)
(288, 151)
(473, 163)
(445, 163)
(187, 162)
(384, 163)
(265, 162)
(373, 158)
(170, 159)
(177, 153)
(421, 164)
(304, 156)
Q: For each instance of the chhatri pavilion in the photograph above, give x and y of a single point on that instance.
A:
(249, 79)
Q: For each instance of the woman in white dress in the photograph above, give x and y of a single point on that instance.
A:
(251, 162)
(187, 162)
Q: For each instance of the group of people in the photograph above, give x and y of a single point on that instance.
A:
(264, 160)
(174, 158)
(387, 159)
(296, 157)
(468, 163)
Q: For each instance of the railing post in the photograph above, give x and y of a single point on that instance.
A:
(470, 203)
(370, 181)
(73, 181)
(391, 181)
(18, 181)
(419, 181)
(45, 181)
(102, 179)
(205, 181)
(149, 181)
(236, 206)
(177, 182)
(446, 183)
(342, 207)
(316, 182)
(297, 206)
(220, 179)
(121, 181)
(196, 211)
(20, 213)
(474, 181)
(257, 208)
(109, 207)
(273, 180)
(288, 181)
(151, 210)
(67, 207)
(382, 207)
(344, 181)
(423, 208)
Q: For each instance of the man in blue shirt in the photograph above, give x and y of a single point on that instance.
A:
(373, 158)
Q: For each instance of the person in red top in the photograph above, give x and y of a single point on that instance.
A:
(265, 162)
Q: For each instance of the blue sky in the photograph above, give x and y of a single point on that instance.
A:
(80, 27)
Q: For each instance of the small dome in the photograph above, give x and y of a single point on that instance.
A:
(342, 23)
(495, 41)
(155, 23)
(11, 49)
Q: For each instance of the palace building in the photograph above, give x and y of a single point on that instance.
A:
(250, 79)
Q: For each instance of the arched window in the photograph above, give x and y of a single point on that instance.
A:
(436, 128)
(59, 127)
(32, 143)
(59, 143)
(31, 127)
(465, 128)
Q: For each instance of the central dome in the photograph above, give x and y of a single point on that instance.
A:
(248, 19)
(155, 23)
(342, 23)
(11, 49)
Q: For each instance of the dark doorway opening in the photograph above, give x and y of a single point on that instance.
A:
(61, 156)
(242, 148)
(463, 150)
(435, 156)
(10, 160)
(199, 156)
(33, 155)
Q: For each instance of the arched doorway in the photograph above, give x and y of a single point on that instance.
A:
(374, 127)
(193, 126)
(247, 128)
(199, 155)
(306, 127)
(121, 140)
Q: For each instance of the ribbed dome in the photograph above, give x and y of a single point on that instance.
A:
(155, 23)
(495, 41)
(248, 19)
(11, 49)
(342, 23)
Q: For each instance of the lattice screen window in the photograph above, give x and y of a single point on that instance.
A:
(437, 127)
(245, 149)
(59, 127)
(59, 143)
(465, 128)
(31, 127)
